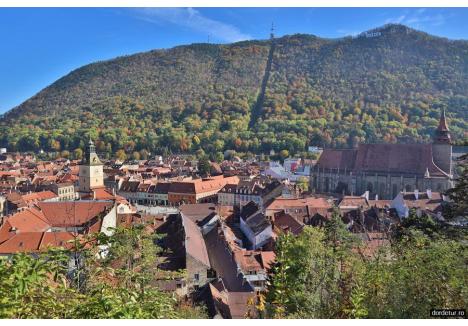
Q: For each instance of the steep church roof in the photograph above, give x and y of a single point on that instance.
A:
(387, 158)
(398, 158)
(337, 159)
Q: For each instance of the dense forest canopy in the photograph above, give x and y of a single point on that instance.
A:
(199, 98)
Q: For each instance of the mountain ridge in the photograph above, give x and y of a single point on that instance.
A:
(373, 87)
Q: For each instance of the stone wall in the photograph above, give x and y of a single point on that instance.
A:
(194, 268)
(385, 186)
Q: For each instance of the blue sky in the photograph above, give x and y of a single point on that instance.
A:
(39, 45)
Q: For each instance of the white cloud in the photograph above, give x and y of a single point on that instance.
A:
(194, 20)
(418, 18)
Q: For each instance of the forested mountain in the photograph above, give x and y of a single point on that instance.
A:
(388, 84)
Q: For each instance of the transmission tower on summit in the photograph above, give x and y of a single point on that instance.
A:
(272, 31)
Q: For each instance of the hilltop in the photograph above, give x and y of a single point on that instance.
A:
(388, 84)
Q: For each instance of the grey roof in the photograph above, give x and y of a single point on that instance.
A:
(249, 209)
(160, 188)
(130, 186)
(257, 222)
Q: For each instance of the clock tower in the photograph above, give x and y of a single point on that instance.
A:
(91, 170)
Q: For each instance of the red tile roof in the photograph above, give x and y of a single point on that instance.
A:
(28, 230)
(73, 213)
(232, 304)
(287, 223)
(57, 239)
(353, 202)
(103, 194)
(28, 220)
(282, 203)
(22, 242)
(199, 186)
(42, 195)
(254, 261)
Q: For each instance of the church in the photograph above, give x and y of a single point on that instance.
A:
(386, 169)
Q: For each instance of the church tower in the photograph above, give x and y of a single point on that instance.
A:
(442, 146)
(91, 170)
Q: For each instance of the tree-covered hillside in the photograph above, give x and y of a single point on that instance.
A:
(209, 98)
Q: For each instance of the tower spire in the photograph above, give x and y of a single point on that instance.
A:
(442, 133)
(442, 122)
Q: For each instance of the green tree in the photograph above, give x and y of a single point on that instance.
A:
(308, 280)
(136, 156)
(36, 287)
(120, 155)
(303, 183)
(459, 193)
(144, 155)
(284, 154)
(78, 153)
(65, 154)
(204, 166)
(117, 279)
(415, 275)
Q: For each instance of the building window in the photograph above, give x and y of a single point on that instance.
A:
(369, 186)
(196, 277)
(382, 189)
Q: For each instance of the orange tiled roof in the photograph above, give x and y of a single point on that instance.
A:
(57, 239)
(72, 213)
(250, 260)
(22, 242)
(29, 220)
(282, 203)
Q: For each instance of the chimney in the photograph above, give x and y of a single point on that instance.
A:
(429, 193)
(416, 194)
